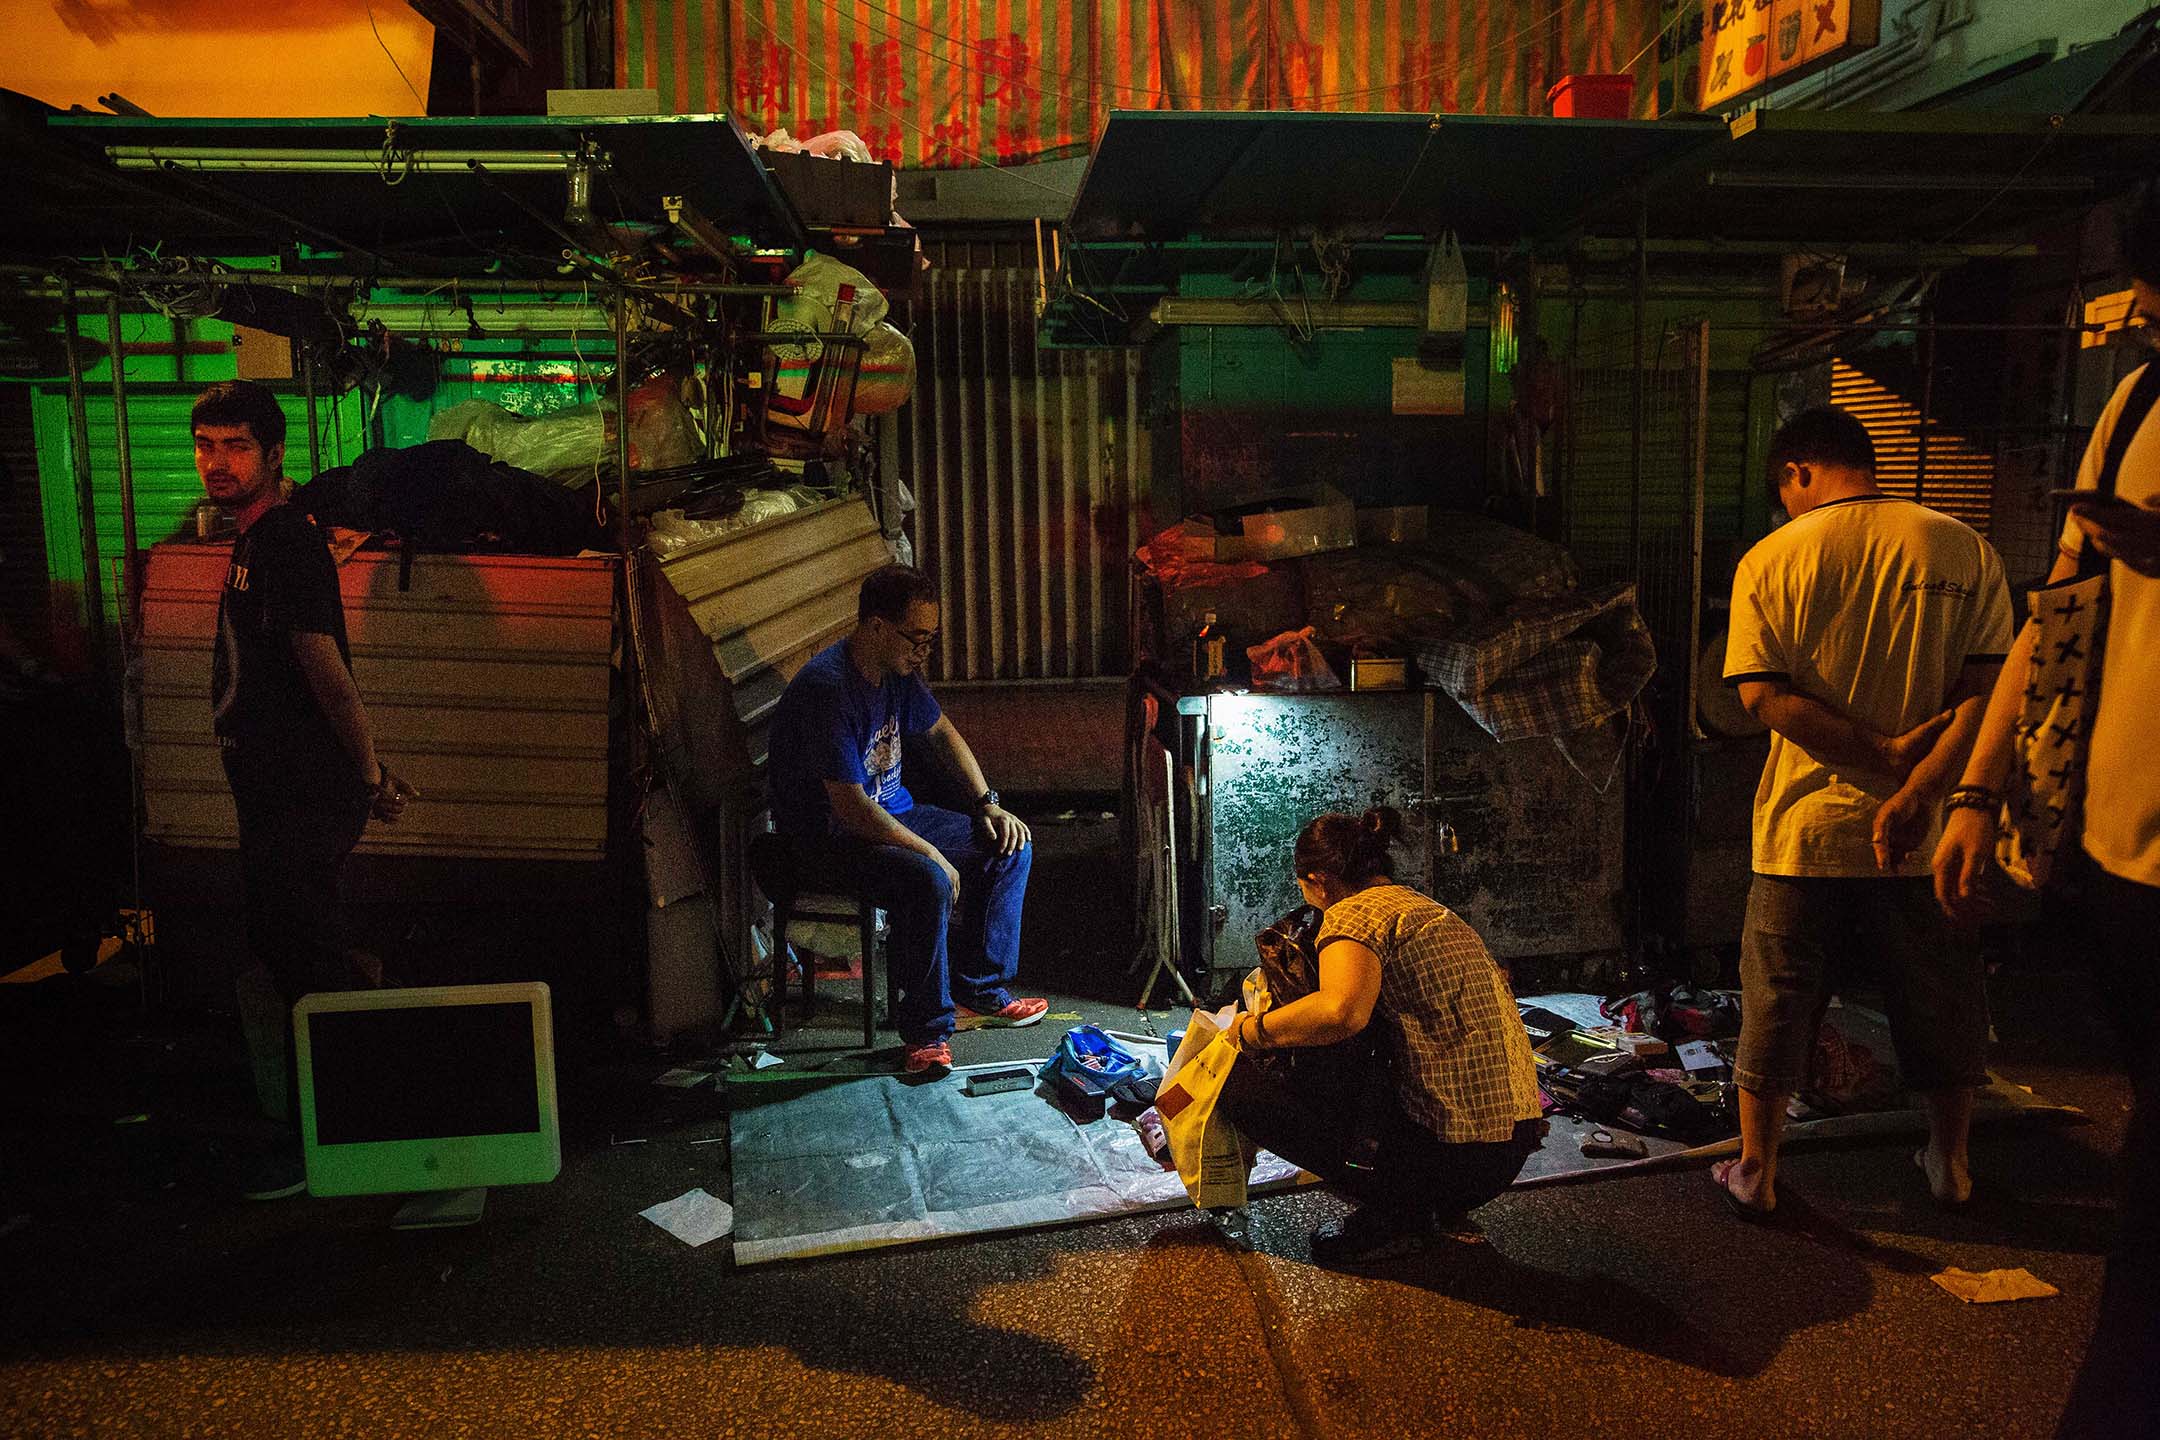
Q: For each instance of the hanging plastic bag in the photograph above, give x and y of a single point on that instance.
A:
(1291, 662)
(888, 372)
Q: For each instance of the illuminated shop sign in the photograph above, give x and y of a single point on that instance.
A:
(1748, 44)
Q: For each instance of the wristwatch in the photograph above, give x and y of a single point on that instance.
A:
(985, 800)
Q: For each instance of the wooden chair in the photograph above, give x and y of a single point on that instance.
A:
(773, 866)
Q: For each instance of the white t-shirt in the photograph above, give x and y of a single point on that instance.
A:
(1871, 606)
(2122, 781)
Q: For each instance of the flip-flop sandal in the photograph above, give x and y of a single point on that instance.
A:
(1753, 1214)
(1919, 1160)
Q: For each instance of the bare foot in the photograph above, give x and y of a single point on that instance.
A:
(1950, 1182)
(1744, 1190)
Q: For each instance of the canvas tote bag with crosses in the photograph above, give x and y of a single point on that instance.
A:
(2042, 804)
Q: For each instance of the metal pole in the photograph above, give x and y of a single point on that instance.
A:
(131, 674)
(1635, 387)
(1927, 406)
(2060, 462)
(1697, 502)
(127, 467)
(85, 502)
(307, 388)
(621, 309)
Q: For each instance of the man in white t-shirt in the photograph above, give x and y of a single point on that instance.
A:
(1865, 633)
(2113, 901)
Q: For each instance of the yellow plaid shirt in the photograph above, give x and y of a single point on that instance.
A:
(1446, 1016)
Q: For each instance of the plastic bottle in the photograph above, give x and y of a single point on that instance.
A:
(1210, 650)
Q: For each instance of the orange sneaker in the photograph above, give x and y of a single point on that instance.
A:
(1015, 1014)
(933, 1057)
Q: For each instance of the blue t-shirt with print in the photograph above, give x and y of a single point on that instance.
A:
(832, 724)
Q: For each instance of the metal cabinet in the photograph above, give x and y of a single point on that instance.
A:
(1510, 836)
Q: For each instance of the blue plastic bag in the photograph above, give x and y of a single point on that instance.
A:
(1089, 1068)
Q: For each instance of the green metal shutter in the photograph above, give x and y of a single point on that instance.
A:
(163, 452)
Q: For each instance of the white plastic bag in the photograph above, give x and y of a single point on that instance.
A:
(1211, 1155)
(564, 445)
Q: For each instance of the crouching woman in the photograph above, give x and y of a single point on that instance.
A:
(1464, 1112)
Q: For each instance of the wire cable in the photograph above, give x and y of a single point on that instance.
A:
(392, 58)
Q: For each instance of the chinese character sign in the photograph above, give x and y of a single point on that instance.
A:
(1750, 43)
(956, 83)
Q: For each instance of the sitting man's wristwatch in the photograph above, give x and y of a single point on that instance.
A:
(986, 800)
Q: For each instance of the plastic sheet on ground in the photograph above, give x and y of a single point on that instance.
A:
(876, 1162)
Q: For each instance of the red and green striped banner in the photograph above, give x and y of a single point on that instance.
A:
(944, 83)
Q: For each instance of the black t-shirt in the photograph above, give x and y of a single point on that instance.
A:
(281, 582)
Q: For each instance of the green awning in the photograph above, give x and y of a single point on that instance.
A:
(398, 188)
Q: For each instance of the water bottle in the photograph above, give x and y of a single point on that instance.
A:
(1210, 650)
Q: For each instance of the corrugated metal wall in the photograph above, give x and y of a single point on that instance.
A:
(720, 630)
(486, 678)
(1025, 465)
(25, 594)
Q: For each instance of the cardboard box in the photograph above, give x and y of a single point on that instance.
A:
(1305, 522)
(1391, 525)
(1371, 673)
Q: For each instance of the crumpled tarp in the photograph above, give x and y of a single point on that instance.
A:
(1557, 666)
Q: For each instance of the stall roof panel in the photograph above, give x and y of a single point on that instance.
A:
(1165, 175)
(399, 188)
(1813, 176)
(1921, 178)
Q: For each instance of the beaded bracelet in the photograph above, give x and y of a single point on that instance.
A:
(1972, 797)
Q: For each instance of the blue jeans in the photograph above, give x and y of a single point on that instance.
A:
(936, 957)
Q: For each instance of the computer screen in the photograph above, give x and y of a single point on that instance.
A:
(443, 1088)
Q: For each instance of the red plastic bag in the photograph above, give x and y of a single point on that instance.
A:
(1291, 662)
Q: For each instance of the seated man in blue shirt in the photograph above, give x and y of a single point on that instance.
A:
(951, 884)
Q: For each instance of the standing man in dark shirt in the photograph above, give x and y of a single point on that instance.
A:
(950, 882)
(298, 751)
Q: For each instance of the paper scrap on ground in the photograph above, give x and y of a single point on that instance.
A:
(1988, 1287)
(764, 1060)
(693, 1217)
(683, 1079)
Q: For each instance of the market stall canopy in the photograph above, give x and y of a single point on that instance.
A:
(1167, 175)
(1771, 175)
(408, 188)
(1853, 177)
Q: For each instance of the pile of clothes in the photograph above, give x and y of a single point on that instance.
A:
(1663, 1065)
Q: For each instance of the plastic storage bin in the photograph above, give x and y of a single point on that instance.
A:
(1593, 97)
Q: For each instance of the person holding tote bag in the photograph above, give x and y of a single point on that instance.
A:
(2103, 885)
(1465, 1112)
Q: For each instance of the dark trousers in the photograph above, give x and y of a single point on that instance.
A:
(937, 956)
(292, 852)
(2118, 926)
(1411, 1172)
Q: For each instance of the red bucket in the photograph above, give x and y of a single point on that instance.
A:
(1593, 97)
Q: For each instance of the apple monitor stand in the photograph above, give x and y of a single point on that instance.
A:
(441, 1210)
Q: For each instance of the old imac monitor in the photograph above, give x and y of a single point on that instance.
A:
(439, 1092)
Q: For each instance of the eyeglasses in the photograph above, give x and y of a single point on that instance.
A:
(918, 640)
